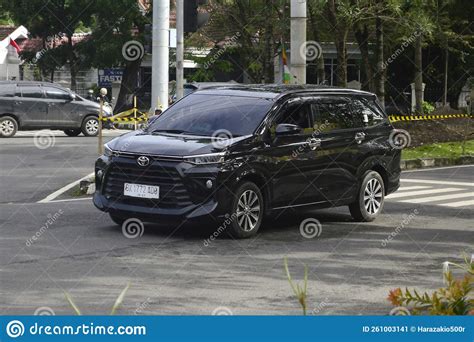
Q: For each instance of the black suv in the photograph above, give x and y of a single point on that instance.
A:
(242, 152)
(26, 105)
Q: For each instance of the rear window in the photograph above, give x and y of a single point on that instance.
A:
(205, 114)
(367, 112)
(7, 90)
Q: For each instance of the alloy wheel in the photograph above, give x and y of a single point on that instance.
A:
(92, 126)
(248, 210)
(7, 127)
(373, 196)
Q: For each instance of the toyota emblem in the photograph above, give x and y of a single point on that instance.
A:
(143, 161)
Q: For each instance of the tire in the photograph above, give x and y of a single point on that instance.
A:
(117, 219)
(371, 192)
(8, 127)
(73, 132)
(248, 209)
(90, 126)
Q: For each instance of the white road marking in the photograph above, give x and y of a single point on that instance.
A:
(459, 204)
(71, 200)
(421, 192)
(439, 198)
(438, 168)
(426, 181)
(64, 189)
(407, 188)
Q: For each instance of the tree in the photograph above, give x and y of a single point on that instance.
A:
(53, 20)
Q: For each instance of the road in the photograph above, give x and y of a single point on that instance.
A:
(172, 270)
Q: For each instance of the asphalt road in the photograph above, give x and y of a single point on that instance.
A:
(173, 271)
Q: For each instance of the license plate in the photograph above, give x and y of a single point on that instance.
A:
(141, 190)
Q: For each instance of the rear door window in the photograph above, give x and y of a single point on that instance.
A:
(331, 113)
(31, 92)
(367, 113)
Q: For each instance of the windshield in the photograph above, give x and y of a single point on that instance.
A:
(205, 114)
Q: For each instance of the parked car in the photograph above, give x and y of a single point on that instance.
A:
(242, 152)
(26, 105)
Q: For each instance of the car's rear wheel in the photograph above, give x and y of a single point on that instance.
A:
(8, 127)
(247, 211)
(370, 199)
(72, 132)
(117, 219)
(90, 126)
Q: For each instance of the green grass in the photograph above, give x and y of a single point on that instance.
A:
(440, 150)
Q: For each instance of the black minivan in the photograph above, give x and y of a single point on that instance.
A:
(241, 153)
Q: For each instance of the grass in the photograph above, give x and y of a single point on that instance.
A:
(439, 150)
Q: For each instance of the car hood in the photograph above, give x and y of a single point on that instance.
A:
(166, 144)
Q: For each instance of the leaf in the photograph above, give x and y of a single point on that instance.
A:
(71, 302)
(119, 300)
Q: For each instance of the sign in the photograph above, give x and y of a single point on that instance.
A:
(107, 76)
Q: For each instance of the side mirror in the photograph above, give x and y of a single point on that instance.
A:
(72, 96)
(287, 129)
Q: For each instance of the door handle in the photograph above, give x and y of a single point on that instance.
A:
(18, 102)
(314, 143)
(359, 137)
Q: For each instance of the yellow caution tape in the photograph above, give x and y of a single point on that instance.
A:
(395, 118)
(114, 119)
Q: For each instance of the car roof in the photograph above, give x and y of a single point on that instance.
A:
(276, 91)
(33, 83)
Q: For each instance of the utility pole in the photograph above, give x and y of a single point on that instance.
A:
(298, 39)
(179, 48)
(160, 54)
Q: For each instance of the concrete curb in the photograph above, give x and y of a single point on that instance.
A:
(424, 163)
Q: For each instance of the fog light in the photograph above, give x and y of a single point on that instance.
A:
(209, 184)
(100, 173)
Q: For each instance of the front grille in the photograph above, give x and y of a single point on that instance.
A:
(173, 193)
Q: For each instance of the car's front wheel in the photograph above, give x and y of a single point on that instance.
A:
(247, 211)
(90, 126)
(8, 127)
(72, 132)
(370, 199)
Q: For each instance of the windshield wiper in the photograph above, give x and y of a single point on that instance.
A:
(175, 131)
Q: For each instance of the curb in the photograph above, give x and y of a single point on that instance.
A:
(425, 163)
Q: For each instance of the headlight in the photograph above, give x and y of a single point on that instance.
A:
(211, 158)
(107, 151)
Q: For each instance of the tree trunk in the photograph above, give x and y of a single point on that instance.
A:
(418, 75)
(341, 70)
(362, 37)
(268, 64)
(380, 80)
(72, 63)
(128, 87)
